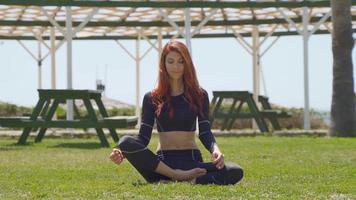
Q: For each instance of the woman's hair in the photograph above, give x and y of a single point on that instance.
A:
(192, 91)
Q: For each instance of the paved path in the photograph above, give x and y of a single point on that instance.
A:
(80, 133)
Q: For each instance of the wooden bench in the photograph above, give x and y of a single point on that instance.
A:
(42, 116)
(239, 98)
(272, 114)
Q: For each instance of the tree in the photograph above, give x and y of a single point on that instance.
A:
(343, 97)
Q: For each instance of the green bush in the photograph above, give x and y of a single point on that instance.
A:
(61, 112)
(8, 109)
(317, 119)
(296, 120)
(121, 111)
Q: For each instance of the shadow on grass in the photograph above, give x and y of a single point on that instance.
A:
(15, 146)
(11, 145)
(90, 145)
(139, 183)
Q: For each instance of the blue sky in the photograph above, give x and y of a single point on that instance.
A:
(221, 64)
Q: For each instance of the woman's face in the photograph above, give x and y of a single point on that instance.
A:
(174, 65)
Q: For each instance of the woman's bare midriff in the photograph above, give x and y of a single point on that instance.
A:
(175, 140)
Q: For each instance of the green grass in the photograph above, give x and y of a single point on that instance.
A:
(275, 168)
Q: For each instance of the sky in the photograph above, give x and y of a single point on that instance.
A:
(221, 64)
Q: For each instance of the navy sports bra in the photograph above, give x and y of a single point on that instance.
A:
(183, 119)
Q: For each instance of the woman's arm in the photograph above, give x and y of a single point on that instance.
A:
(217, 157)
(147, 119)
(207, 137)
(205, 134)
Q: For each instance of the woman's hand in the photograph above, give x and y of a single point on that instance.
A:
(116, 156)
(188, 175)
(218, 158)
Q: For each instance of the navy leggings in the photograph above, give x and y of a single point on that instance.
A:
(145, 161)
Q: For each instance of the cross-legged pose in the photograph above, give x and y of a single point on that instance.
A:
(175, 104)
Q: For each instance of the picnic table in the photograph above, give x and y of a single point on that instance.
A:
(234, 112)
(42, 116)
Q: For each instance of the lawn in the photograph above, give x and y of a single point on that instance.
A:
(275, 168)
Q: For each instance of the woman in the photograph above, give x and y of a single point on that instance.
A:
(175, 104)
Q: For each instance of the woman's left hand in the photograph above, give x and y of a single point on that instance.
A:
(218, 159)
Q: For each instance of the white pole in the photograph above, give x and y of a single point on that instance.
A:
(159, 38)
(69, 60)
(137, 59)
(255, 59)
(187, 34)
(53, 62)
(53, 59)
(256, 70)
(306, 73)
(39, 62)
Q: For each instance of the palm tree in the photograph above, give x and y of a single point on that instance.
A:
(343, 116)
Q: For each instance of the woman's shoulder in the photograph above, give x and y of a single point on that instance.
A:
(148, 96)
(204, 91)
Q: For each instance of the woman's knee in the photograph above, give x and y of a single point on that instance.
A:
(235, 173)
(128, 143)
(238, 173)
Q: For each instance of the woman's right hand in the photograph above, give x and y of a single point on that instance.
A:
(116, 156)
(188, 175)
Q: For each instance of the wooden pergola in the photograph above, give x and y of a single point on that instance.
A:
(62, 21)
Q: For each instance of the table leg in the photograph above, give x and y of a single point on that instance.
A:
(43, 112)
(233, 119)
(92, 115)
(224, 124)
(48, 117)
(45, 108)
(34, 115)
(274, 121)
(256, 114)
(267, 106)
(215, 108)
(103, 112)
(76, 110)
(213, 103)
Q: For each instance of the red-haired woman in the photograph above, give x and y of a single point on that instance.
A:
(175, 104)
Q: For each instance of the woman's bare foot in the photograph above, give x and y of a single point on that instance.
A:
(189, 175)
